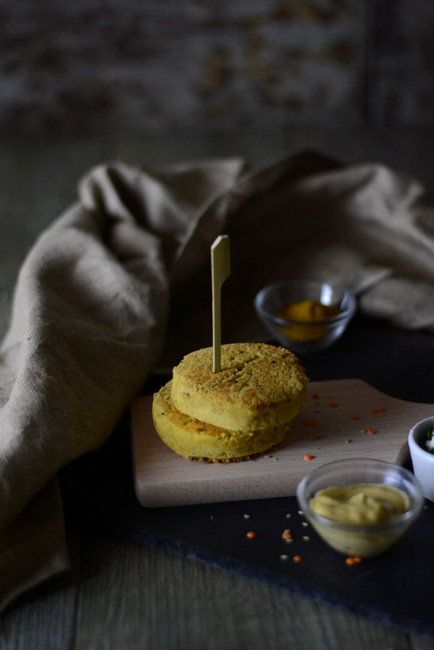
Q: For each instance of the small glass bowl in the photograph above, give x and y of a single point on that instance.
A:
(304, 337)
(421, 458)
(353, 539)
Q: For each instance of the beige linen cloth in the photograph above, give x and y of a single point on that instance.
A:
(119, 286)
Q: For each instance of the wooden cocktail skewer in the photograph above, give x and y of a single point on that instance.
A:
(220, 271)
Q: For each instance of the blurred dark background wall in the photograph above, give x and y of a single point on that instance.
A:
(154, 66)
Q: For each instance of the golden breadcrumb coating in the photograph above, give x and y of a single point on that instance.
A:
(259, 386)
(197, 440)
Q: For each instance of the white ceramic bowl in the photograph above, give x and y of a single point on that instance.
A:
(315, 336)
(422, 459)
(354, 539)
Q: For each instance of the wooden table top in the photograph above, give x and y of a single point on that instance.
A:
(120, 594)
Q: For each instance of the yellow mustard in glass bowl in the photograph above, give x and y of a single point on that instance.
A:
(305, 317)
(359, 506)
(306, 311)
(360, 503)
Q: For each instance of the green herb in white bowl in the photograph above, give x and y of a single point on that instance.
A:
(429, 442)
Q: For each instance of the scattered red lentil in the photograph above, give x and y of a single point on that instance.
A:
(370, 431)
(297, 558)
(311, 422)
(286, 534)
(308, 457)
(351, 561)
(355, 416)
(315, 395)
(251, 534)
(318, 437)
(334, 403)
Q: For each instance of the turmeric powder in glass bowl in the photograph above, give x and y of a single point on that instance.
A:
(305, 317)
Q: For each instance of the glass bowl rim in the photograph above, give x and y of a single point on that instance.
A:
(397, 520)
(346, 313)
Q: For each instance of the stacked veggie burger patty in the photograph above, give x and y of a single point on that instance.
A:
(244, 409)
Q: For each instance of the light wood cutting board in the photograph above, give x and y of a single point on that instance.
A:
(326, 429)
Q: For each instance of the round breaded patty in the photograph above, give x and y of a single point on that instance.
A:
(197, 440)
(259, 386)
